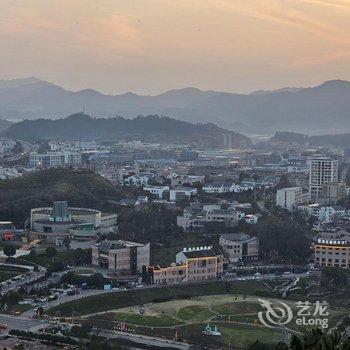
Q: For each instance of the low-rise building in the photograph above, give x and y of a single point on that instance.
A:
(229, 217)
(239, 247)
(218, 187)
(7, 230)
(187, 180)
(121, 256)
(192, 265)
(158, 191)
(182, 191)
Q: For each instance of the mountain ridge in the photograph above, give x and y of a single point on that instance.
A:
(323, 108)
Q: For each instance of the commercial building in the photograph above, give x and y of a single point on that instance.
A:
(121, 256)
(289, 198)
(54, 159)
(59, 222)
(332, 252)
(323, 171)
(192, 265)
(239, 247)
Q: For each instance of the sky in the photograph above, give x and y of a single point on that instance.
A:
(150, 46)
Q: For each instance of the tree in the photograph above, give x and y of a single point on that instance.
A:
(51, 252)
(335, 277)
(9, 251)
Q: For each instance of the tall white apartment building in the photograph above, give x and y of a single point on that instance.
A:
(289, 198)
(323, 171)
(54, 159)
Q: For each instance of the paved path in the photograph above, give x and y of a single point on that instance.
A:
(152, 341)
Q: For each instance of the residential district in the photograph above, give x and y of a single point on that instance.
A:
(171, 218)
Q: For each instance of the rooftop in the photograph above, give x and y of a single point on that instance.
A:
(237, 237)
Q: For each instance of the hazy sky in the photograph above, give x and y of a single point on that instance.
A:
(148, 46)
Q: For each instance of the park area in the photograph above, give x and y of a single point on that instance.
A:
(235, 316)
(184, 312)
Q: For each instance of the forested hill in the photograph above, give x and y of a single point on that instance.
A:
(147, 129)
(80, 188)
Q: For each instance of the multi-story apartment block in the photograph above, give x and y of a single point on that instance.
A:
(289, 198)
(121, 256)
(323, 171)
(239, 247)
(192, 265)
(54, 159)
(332, 252)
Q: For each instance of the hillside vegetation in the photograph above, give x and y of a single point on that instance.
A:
(41, 188)
(148, 129)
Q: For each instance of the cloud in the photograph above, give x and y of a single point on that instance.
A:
(345, 4)
(285, 13)
(321, 59)
(71, 29)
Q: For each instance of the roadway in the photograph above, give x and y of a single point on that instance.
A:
(18, 281)
(27, 148)
(22, 323)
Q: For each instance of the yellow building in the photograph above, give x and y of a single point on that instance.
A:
(332, 252)
(192, 265)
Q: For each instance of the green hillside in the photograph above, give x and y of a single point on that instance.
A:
(41, 188)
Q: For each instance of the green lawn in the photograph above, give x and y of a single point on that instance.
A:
(7, 272)
(238, 307)
(145, 320)
(233, 334)
(195, 312)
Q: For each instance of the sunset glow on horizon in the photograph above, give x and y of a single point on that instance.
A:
(149, 46)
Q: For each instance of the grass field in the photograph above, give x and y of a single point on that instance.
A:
(151, 321)
(195, 313)
(235, 316)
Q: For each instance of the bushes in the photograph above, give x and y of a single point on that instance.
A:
(95, 280)
(52, 338)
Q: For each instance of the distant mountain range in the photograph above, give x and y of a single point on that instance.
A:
(4, 124)
(285, 137)
(156, 129)
(316, 110)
